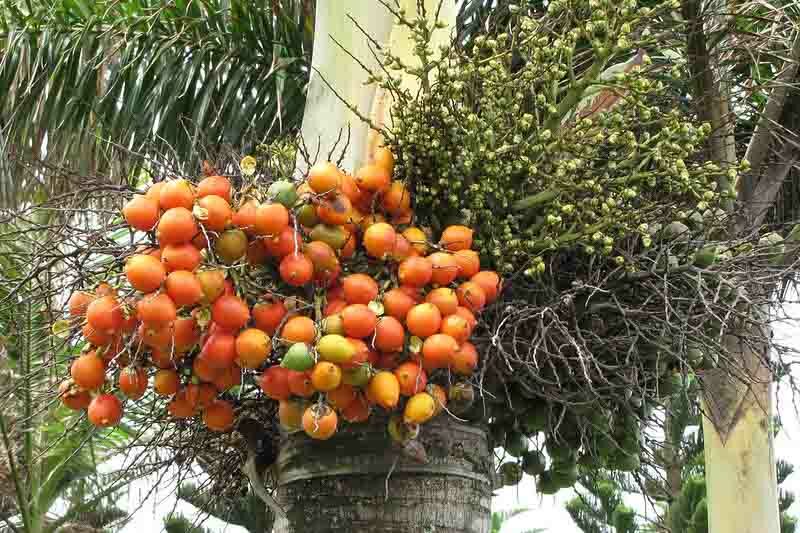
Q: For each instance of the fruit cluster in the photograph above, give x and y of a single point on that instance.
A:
(361, 308)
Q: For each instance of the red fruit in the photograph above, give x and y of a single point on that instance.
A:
(230, 312)
(275, 383)
(284, 243)
(88, 371)
(300, 384)
(296, 269)
(156, 310)
(358, 320)
(72, 396)
(105, 314)
(268, 316)
(412, 378)
(216, 185)
(219, 416)
(359, 289)
(219, 351)
(133, 382)
(105, 411)
(389, 334)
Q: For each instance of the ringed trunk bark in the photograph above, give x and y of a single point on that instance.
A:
(357, 481)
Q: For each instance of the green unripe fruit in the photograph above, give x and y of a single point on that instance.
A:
(333, 236)
(357, 377)
(231, 246)
(283, 192)
(298, 357)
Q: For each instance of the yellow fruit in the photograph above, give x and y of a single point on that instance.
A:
(333, 324)
(326, 376)
(335, 348)
(419, 409)
(290, 414)
(384, 389)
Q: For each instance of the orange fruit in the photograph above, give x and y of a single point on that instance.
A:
(467, 315)
(437, 351)
(186, 333)
(156, 309)
(415, 271)
(490, 282)
(176, 193)
(359, 289)
(465, 359)
(245, 217)
(444, 298)
(145, 273)
(154, 192)
(300, 384)
(275, 383)
(373, 178)
(389, 334)
(228, 377)
(417, 238)
(78, 302)
(290, 414)
(203, 370)
(180, 407)
(326, 376)
(184, 288)
(320, 421)
(219, 350)
(471, 296)
(402, 249)
(419, 409)
(296, 269)
(141, 213)
(219, 416)
(361, 355)
(157, 335)
(183, 256)
(358, 320)
(445, 268)
(322, 256)
(424, 320)
(358, 410)
(166, 382)
(284, 243)
(299, 329)
(104, 411)
(456, 238)
(468, 262)
(334, 209)
(411, 378)
(105, 314)
(397, 303)
(95, 336)
(216, 186)
(384, 158)
(217, 212)
(212, 283)
(268, 316)
(440, 395)
(133, 382)
(72, 396)
(342, 396)
(271, 219)
(230, 312)
(323, 177)
(252, 348)
(348, 186)
(369, 220)
(384, 389)
(176, 226)
(397, 199)
(457, 327)
(379, 240)
(88, 371)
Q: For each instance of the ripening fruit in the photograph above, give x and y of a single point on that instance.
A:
(342, 396)
(397, 199)
(326, 376)
(156, 336)
(469, 263)
(335, 349)
(320, 421)
(184, 288)
(105, 314)
(176, 226)
(212, 283)
(105, 411)
(384, 389)
(176, 193)
(219, 416)
(219, 350)
(252, 348)
(141, 213)
(245, 217)
(228, 377)
(166, 382)
(299, 329)
(96, 337)
(290, 414)
(215, 185)
(72, 396)
(359, 289)
(444, 298)
(230, 312)
(358, 321)
(156, 309)
(183, 256)
(268, 316)
(456, 238)
(300, 384)
(271, 219)
(200, 395)
(424, 320)
(379, 240)
(362, 354)
(471, 296)
(349, 188)
(231, 246)
(389, 335)
(78, 302)
(154, 192)
(335, 210)
(307, 215)
(145, 273)
(411, 378)
(186, 333)
(490, 282)
(388, 361)
(397, 304)
(180, 407)
(334, 236)
(467, 315)
(334, 307)
(358, 410)
(296, 269)
(457, 327)
(415, 271)
(417, 238)
(133, 382)
(88, 371)
(465, 359)
(323, 177)
(445, 268)
(275, 383)
(419, 409)
(438, 350)
(402, 249)
(333, 324)
(373, 178)
(440, 395)
(298, 357)
(203, 371)
(283, 244)
(384, 158)
(216, 212)
(322, 256)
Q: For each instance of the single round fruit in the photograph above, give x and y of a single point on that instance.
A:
(299, 329)
(438, 351)
(271, 219)
(415, 271)
(203, 370)
(78, 302)
(154, 192)
(373, 178)
(166, 382)
(397, 304)
(105, 314)
(133, 382)
(359, 321)
(465, 359)
(298, 358)
(455, 238)
(300, 384)
(445, 299)
(323, 177)
(342, 396)
(275, 383)
(245, 217)
(334, 236)
(334, 209)
(212, 283)
(419, 409)
(358, 376)
(389, 335)
(467, 315)
(176, 226)
(445, 268)
(471, 296)
(358, 410)
(290, 414)
(379, 240)
(307, 215)
(384, 389)
(282, 244)
(183, 256)
(320, 421)
(296, 269)
(156, 309)
(359, 289)
(397, 199)
(105, 411)
(384, 158)
(215, 185)
(469, 263)
(424, 320)
(252, 348)
(72, 396)
(216, 212)
(490, 282)
(228, 377)
(457, 327)
(510, 474)
(231, 246)
(417, 238)
(326, 376)
(268, 316)
(219, 416)
(88, 371)
(333, 325)
(335, 349)
(230, 312)
(411, 378)
(141, 213)
(219, 350)
(180, 407)
(184, 288)
(283, 192)
(176, 193)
